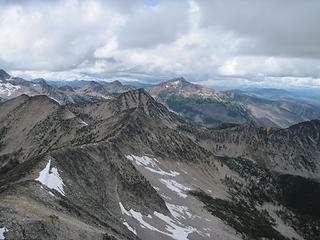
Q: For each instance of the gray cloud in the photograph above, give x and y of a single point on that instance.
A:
(154, 25)
(220, 42)
(274, 28)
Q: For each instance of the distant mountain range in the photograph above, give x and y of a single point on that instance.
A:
(79, 83)
(209, 107)
(194, 103)
(82, 92)
(311, 96)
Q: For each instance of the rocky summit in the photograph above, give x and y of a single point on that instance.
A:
(128, 168)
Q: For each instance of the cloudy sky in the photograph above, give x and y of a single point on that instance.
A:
(220, 43)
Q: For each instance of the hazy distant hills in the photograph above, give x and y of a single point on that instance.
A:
(195, 103)
(79, 83)
(311, 96)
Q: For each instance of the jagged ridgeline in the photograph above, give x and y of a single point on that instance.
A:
(128, 168)
(194, 103)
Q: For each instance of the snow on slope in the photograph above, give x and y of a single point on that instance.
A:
(173, 228)
(151, 165)
(175, 187)
(2, 231)
(187, 219)
(51, 178)
(8, 88)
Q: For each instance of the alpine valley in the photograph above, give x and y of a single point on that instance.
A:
(170, 161)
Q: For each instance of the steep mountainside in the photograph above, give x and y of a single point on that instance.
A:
(294, 150)
(31, 126)
(208, 107)
(130, 169)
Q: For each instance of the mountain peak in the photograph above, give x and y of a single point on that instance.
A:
(42, 81)
(117, 87)
(94, 83)
(135, 98)
(180, 86)
(38, 80)
(4, 75)
(177, 82)
(136, 93)
(66, 88)
(141, 100)
(116, 82)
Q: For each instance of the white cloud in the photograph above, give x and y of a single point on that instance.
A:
(54, 35)
(219, 43)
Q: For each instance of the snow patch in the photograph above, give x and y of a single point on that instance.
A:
(165, 196)
(138, 217)
(156, 188)
(161, 172)
(83, 122)
(51, 194)
(51, 178)
(130, 228)
(55, 100)
(184, 171)
(143, 161)
(179, 212)
(175, 82)
(176, 232)
(2, 231)
(175, 187)
(174, 229)
(151, 165)
(8, 88)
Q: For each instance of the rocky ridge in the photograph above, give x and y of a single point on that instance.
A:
(129, 168)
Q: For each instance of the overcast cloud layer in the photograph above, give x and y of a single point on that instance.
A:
(221, 43)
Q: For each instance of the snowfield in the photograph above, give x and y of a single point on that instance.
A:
(151, 165)
(2, 231)
(173, 228)
(8, 88)
(51, 178)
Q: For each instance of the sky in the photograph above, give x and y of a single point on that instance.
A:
(220, 43)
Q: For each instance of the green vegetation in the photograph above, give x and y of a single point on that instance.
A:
(115, 94)
(246, 220)
(88, 99)
(181, 104)
(221, 126)
(3, 132)
(301, 194)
